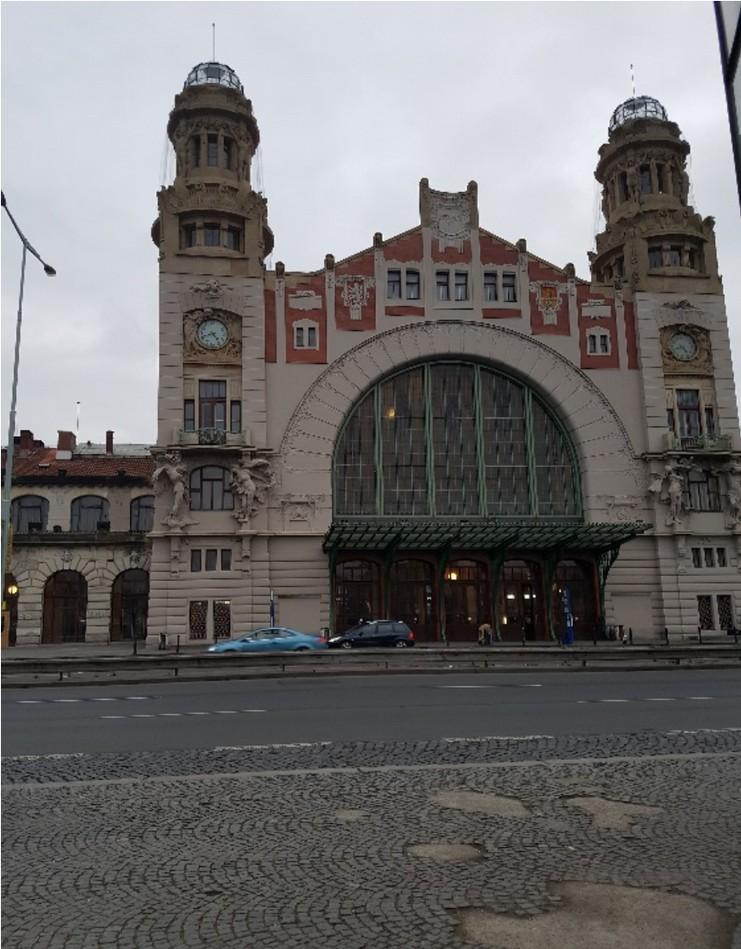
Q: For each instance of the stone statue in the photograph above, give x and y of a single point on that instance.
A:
(675, 491)
(734, 491)
(172, 471)
(250, 482)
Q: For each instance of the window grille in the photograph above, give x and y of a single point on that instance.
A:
(197, 619)
(454, 440)
(725, 612)
(222, 619)
(355, 462)
(505, 445)
(403, 444)
(554, 472)
(705, 612)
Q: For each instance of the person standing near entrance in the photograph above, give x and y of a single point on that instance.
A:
(485, 634)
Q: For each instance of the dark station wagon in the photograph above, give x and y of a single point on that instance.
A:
(377, 632)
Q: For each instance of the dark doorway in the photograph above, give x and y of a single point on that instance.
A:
(467, 603)
(129, 605)
(65, 608)
(412, 597)
(357, 593)
(581, 579)
(519, 602)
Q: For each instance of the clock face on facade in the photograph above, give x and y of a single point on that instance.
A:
(683, 346)
(212, 334)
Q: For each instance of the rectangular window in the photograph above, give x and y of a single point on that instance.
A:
(696, 557)
(211, 235)
(725, 612)
(235, 417)
(298, 337)
(412, 285)
(189, 415)
(442, 280)
(311, 337)
(197, 618)
(644, 179)
(195, 561)
(509, 288)
(660, 178)
(188, 235)
(232, 238)
(702, 491)
(212, 405)
(228, 152)
(592, 344)
(195, 150)
(675, 256)
(710, 421)
(490, 287)
(654, 257)
(461, 285)
(213, 150)
(226, 559)
(604, 344)
(705, 612)
(211, 559)
(670, 421)
(688, 412)
(393, 285)
(721, 556)
(222, 619)
(709, 558)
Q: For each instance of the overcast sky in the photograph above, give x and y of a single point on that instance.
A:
(355, 103)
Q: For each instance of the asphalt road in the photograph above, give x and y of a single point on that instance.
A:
(196, 715)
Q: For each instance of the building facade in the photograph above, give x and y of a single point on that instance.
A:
(79, 565)
(443, 428)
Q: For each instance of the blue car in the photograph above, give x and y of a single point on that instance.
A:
(271, 638)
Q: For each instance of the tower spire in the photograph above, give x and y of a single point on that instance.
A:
(213, 42)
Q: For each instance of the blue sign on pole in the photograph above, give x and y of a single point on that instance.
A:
(568, 617)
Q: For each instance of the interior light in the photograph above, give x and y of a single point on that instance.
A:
(504, 620)
(526, 596)
(12, 590)
(510, 596)
(451, 575)
(390, 412)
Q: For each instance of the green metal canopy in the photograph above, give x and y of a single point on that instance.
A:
(383, 533)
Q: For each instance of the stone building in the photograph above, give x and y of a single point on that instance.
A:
(79, 570)
(443, 427)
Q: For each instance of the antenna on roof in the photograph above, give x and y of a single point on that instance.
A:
(213, 42)
(77, 428)
(633, 79)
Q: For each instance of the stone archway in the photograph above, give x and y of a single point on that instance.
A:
(605, 454)
(65, 608)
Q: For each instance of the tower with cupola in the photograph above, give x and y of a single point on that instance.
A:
(213, 238)
(659, 253)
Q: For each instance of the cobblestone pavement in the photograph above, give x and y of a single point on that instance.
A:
(361, 846)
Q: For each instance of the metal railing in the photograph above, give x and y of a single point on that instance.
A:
(698, 442)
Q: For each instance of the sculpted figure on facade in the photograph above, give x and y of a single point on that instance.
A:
(734, 492)
(668, 488)
(171, 472)
(251, 480)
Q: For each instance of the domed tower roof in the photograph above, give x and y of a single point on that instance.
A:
(638, 107)
(205, 74)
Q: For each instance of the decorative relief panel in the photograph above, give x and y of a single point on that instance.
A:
(450, 214)
(548, 300)
(193, 351)
(701, 363)
(304, 300)
(355, 293)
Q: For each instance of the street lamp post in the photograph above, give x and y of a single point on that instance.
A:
(7, 480)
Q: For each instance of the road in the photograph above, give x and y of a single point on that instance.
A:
(375, 708)
(582, 810)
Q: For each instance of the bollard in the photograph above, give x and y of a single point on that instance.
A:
(699, 635)
(135, 642)
(630, 635)
(666, 636)
(163, 641)
(177, 645)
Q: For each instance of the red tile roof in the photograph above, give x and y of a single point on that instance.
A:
(28, 464)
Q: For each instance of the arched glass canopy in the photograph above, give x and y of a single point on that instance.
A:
(205, 74)
(454, 439)
(638, 107)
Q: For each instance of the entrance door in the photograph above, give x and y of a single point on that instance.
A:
(129, 605)
(357, 593)
(466, 599)
(519, 601)
(65, 608)
(580, 578)
(412, 597)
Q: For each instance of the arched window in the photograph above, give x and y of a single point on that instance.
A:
(454, 439)
(65, 608)
(210, 489)
(141, 513)
(29, 513)
(90, 513)
(129, 605)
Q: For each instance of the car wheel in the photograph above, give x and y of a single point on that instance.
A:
(301, 649)
(401, 644)
(346, 645)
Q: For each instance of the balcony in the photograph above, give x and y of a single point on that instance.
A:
(699, 443)
(212, 437)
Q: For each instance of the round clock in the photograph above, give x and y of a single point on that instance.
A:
(212, 334)
(683, 346)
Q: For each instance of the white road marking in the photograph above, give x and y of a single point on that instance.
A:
(170, 714)
(66, 700)
(226, 711)
(252, 710)
(700, 698)
(113, 716)
(136, 698)
(532, 685)
(143, 715)
(466, 686)
(659, 700)
(196, 713)
(107, 699)
(291, 744)
(29, 701)
(500, 738)
(614, 700)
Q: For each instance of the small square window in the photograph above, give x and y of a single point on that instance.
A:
(490, 287)
(393, 285)
(721, 556)
(461, 285)
(226, 559)
(211, 559)
(509, 287)
(709, 557)
(412, 285)
(442, 280)
(696, 557)
(195, 561)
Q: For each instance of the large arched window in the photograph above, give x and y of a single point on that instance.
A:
(90, 513)
(210, 489)
(454, 439)
(29, 513)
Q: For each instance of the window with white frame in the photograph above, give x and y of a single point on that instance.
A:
(461, 285)
(393, 285)
(305, 335)
(403, 284)
(509, 287)
(598, 343)
(490, 286)
(442, 280)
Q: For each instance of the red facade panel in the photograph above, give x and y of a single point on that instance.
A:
(405, 249)
(494, 251)
(305, 303)
(405, 311)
